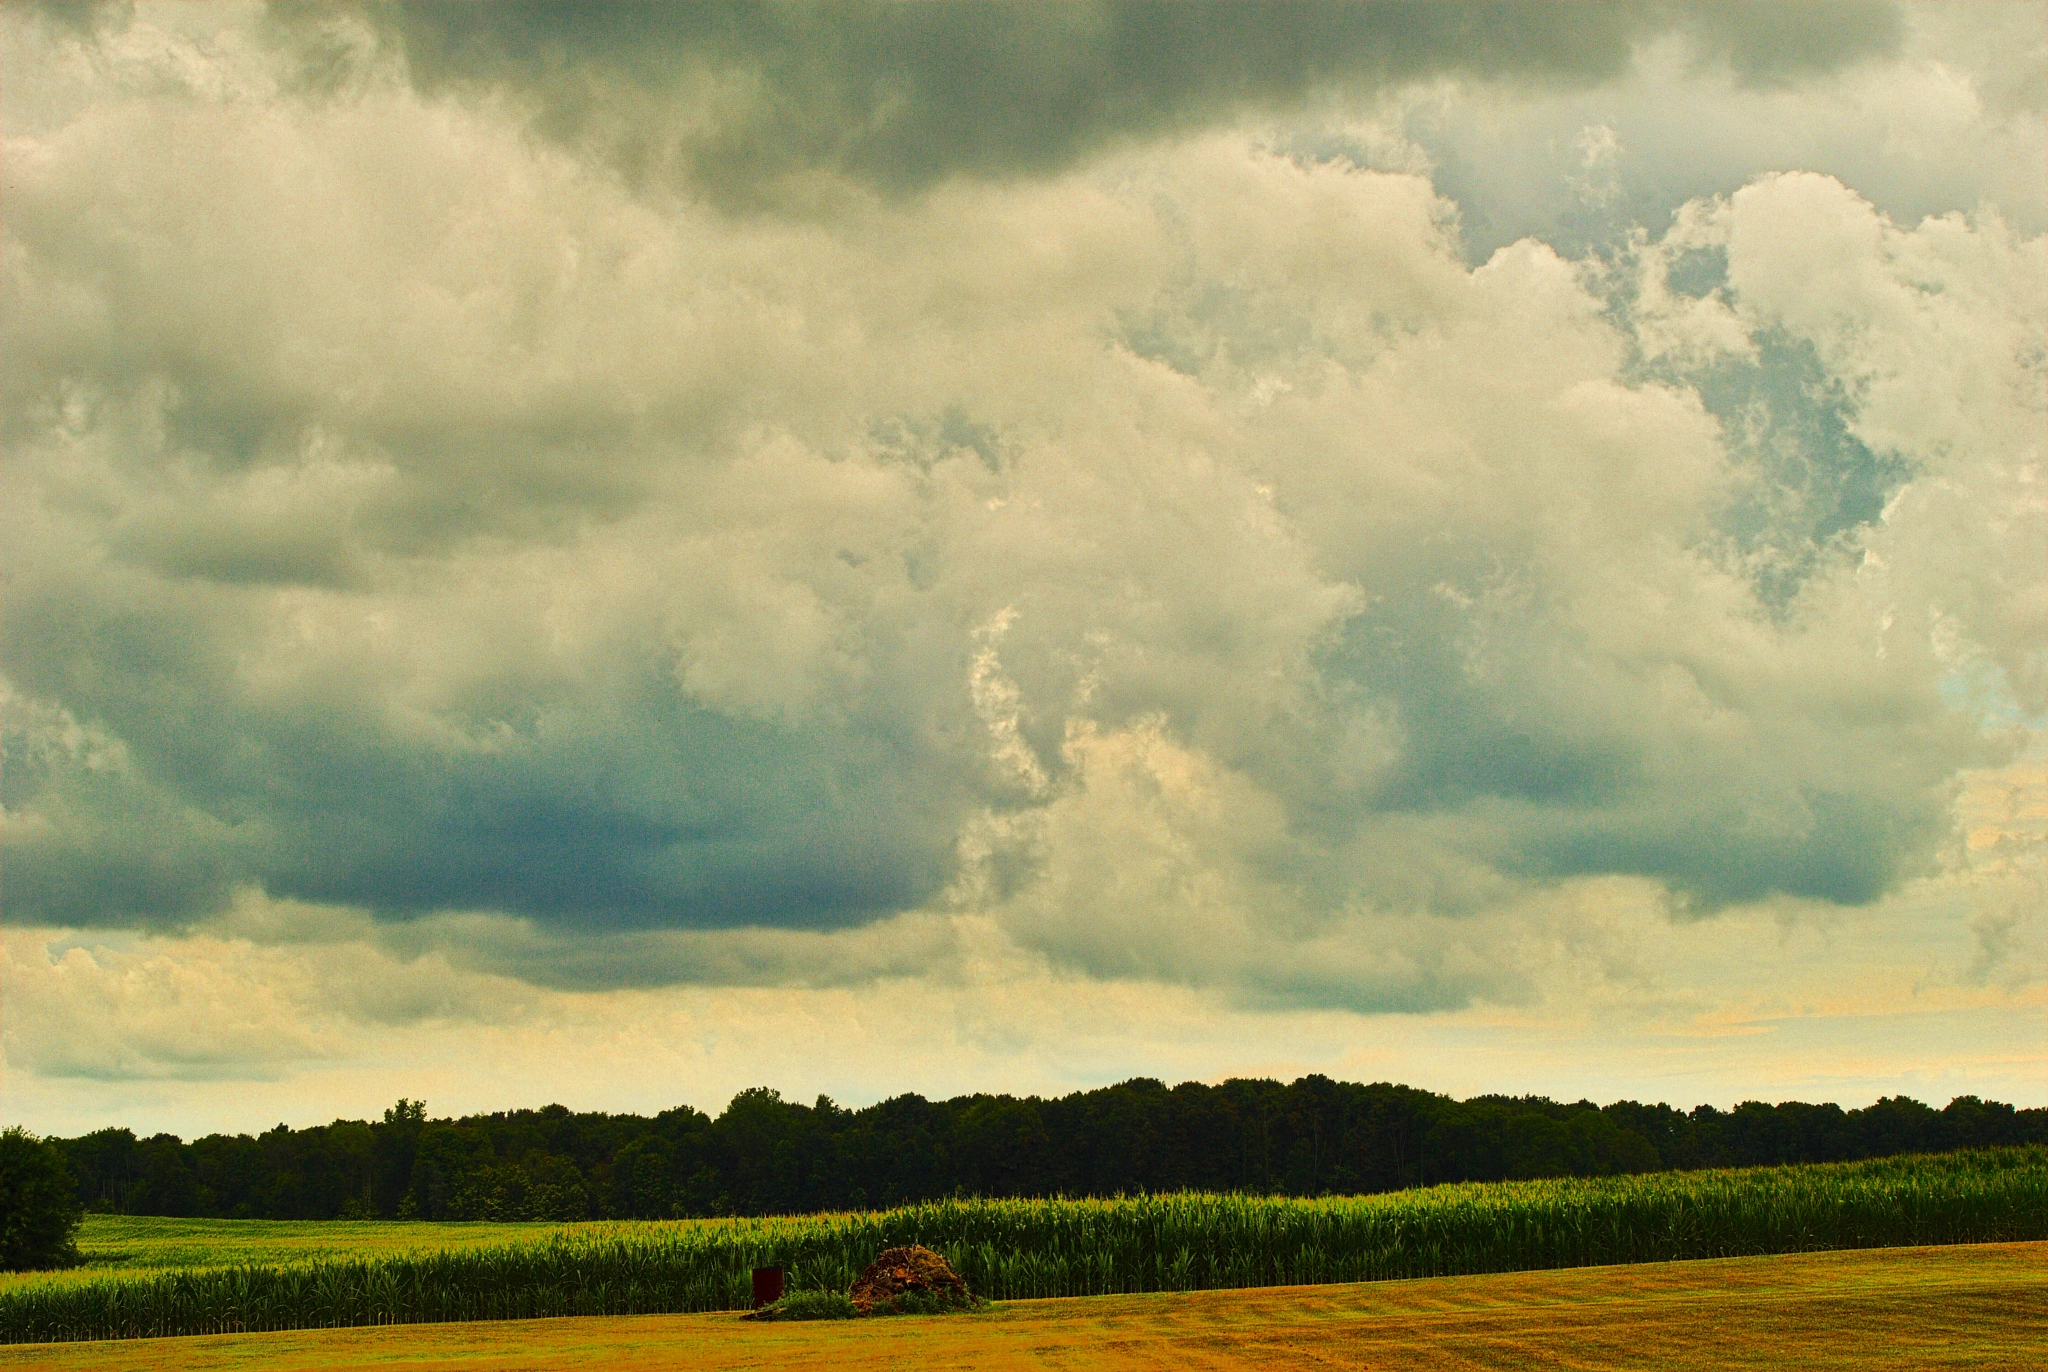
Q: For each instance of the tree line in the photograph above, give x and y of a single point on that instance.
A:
(766, 1155)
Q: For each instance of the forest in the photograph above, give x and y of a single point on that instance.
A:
(765, 1155)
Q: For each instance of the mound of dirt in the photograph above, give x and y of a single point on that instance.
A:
(906, 1271)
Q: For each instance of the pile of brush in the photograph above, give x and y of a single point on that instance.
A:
(912, 1280)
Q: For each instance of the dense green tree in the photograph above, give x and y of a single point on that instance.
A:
(642, 1179)
(394, 1149)
(39, 1207)
(765, 1154)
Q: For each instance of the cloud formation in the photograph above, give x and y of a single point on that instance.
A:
(1125, 534)
(745, 101)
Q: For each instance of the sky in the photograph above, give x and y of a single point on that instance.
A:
(613, 555)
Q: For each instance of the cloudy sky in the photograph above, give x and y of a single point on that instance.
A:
(616, 555)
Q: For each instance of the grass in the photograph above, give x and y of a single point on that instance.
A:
(1981, 1307)
(1010, 1250)
(131, 1245)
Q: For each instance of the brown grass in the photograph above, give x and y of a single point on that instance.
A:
(1979, 1306)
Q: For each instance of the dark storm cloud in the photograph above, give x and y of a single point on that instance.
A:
(1846, 849)
(732, 96)
(81, 18)
(1530, 776)
(634, 809)
(1764, 42)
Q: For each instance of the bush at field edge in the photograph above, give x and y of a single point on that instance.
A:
(38, 1213)
(808, 1305)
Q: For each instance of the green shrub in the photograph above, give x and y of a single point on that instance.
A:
(809, 1305)
(926, 1303)
(38, 1212)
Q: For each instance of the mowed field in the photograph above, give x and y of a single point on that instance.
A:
(1982, 1306)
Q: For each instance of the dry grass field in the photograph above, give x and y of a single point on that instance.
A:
(1978, 1306)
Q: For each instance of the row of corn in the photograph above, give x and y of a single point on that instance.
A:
(1019, 1249)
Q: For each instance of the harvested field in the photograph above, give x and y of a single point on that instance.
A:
(1981, 1307)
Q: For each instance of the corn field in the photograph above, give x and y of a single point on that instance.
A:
(1018, 1249)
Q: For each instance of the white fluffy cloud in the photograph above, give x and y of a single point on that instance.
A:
(1179, 562)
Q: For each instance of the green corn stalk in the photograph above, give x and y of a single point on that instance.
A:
(1023, 1249)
